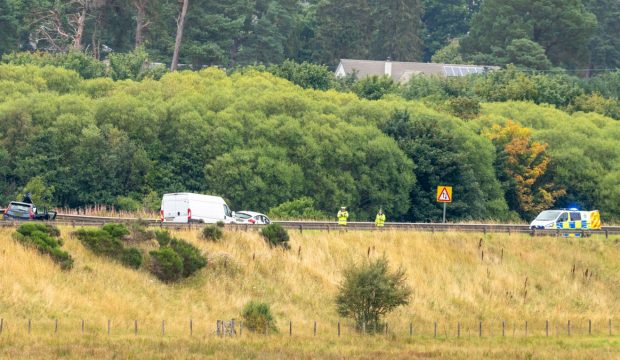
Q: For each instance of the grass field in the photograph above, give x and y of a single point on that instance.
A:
(456, 278)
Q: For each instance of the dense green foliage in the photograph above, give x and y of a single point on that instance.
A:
(275, 235)
(257, 317)
(45, 238)
(109, 241)
(175, 259)
(212, 232)
(575, 34)
(369, 291)
(264, 143)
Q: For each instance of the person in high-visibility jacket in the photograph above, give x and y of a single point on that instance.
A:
(343, 215)
(380, 219)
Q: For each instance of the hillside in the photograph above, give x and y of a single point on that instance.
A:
(450, 279)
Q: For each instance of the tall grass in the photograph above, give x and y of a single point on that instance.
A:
(455, 277)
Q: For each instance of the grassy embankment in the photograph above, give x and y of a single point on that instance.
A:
(452, 280)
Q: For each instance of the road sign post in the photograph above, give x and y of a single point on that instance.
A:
(444, 195)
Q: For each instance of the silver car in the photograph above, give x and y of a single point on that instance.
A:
(252, 218)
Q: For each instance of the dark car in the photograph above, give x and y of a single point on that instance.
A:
(24, 211)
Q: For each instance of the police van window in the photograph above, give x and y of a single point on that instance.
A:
(563, 217)
(575, 216)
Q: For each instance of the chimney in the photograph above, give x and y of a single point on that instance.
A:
(388, 67)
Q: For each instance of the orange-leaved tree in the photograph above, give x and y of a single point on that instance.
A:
(522, 166)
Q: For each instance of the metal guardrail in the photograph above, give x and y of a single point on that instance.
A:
(84, 220)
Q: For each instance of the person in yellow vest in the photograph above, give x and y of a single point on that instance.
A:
(380, 219)
(343, 215)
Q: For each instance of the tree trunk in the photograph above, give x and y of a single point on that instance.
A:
(177, 42)
(141, 22)
(79, 29)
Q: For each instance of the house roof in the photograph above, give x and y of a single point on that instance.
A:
(403, 71)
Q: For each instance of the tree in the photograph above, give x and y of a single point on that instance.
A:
(8, 28)
(562, 27)
(369, 291)
(527, 53)
(142, 7)
(179, 37)
(449, 54)
(522, 166)
(374, 87)
(306, 75)
(397, 30)
(605, 43)
(444, 22)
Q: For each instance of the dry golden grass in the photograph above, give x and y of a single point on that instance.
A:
(452, 283)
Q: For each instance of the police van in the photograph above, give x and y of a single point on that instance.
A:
(567, 219)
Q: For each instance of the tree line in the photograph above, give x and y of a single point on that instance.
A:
(579, 35)
(264, 143)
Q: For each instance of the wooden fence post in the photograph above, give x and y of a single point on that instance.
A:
(547, 327)
(435, 328)
(525, 327)
(609, 327)
(314, 327)
(290, 328)
(55, 326)
(82, 326)
(338, 328)
(163, 327)
(480, 329)
(568, 327)
(590, 327)
(1, 325)
(191, 327)
(411, 329)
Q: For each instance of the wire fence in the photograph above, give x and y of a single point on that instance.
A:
(236, 328)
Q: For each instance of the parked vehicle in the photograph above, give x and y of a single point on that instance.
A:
(17, 210)
(251, 217)
(189, 207)
(567, 219)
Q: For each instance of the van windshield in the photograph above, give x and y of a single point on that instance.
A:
(548, 215)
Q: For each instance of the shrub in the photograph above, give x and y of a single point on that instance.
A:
(212, 232)
(44, 238)
(369, 291)
(257, 317)
(275, 235)
(107, 242)
(163, 237)
(166, 264)
(28, 228)
(302, 208)
(101, 242)
(116, 230)
(220, 224)
(132, 258)
(192, 259)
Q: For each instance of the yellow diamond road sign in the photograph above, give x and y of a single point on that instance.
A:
(444, 194)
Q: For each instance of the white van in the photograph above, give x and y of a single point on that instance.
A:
(188, 207)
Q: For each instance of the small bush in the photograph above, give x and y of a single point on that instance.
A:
(220, 224)
(44, 238)
(132, 258)
(212, 232)
(101, 242)
(116, 230)
(107, 242)
(192, 259)
(163, 237)
(257, 317)
(276, 235)
(27, 228)
(166, 264)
